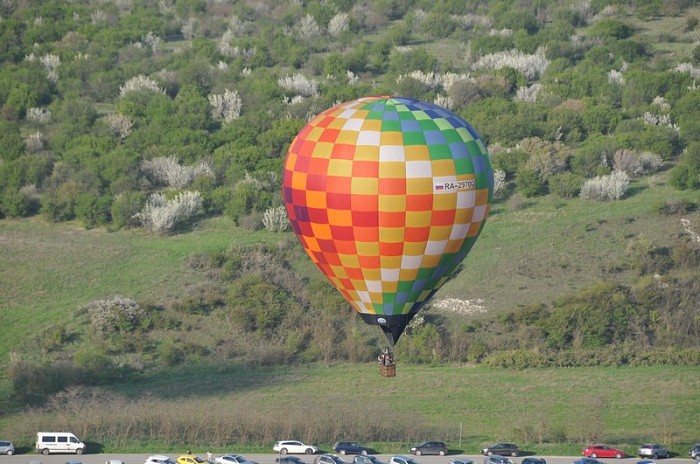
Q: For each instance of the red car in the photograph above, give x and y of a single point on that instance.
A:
(603, 451)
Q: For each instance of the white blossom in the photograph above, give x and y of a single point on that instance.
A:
(160, 214)
(436, 81)
(152, 42)
(51, 63)
(444, 101)
(616, 77)
(38, 115)
(275, 219)
(661, 103)
(528, 94)
(299, 85)
(499, 181)
(687, 67)
(352, 78)
(610, 187)
(34, 142)
(532, 66)
(307, 28)
(226, 106)
(113, 314)
(338, 24)
(168, 171)
(119, 124)
(461, 306)
(140, 83)
(687, 227)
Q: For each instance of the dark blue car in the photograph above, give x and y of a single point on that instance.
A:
(349, 447)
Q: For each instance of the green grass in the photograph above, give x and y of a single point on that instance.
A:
(634, 403)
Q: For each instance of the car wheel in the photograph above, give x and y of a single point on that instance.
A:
(342, 451)
(514, 454)
(594, 455)
(283, 451)
(490, 453)
(364, 452)
(309, 451)
(655, 456)
(418, 452)
(442, 452)
(45, 451)
(618, 456)
(79, 451)
(10, 453)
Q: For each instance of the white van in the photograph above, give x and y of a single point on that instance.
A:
(58, 442)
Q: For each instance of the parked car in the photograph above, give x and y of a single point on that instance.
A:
(7, 447)
(461, 461)
(294, 447)
(232, 459)
(654, 451)
(603, 451)
(349, 447)
(533, 461)
(366, 459)
(289, 460)
(401, 459)
(646, 461)
(328, 458)
(430, 447)
(587, 461)
(114, 461)
(695, 452)
(189, 459)
(501, 449)
(159, 459)
(496, 459)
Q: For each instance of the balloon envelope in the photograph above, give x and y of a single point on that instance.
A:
(387, 195)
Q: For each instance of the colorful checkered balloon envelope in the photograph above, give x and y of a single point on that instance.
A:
(387, 196)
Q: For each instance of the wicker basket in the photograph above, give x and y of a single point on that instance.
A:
(387, 371)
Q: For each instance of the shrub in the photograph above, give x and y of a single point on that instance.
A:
(565, 185)
(160, 214)
(168, 171)
(113, 315)
(673, 206)
(685, 177)
(275, 219)
(510, 161)
(530, 183)
(610, 187)
(125, 208)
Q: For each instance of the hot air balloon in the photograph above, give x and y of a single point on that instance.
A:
(387, 195)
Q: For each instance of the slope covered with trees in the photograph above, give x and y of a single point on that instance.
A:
(151, 117)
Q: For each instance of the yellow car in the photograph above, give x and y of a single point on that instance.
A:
(189, 459)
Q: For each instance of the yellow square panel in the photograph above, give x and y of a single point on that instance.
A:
(444, 201)
(390, 287)
(349, 260)
(367, 153)
(321, 231)
(414, 248)
(416, 153)
(372, 125)
(463, 216)
(377, 297)
(391, 138)
(390, 262)
(346, 137)
(323, 150)
(364, 185)
(418, 218)
(339, 167)
(440, 233)
(419, 186)
(430, 261)
(367, 249)
(407, 275)
(392, 170)
(315, 134)
(391, 203)
(372, 274)
(339, 272)
(443, 167)
(453, 246)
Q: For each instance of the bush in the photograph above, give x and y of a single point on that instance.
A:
(510, 161)
(674, 206)
(685, 177)
(610, 187)
(530, 183)
(113, 315)
(160, 215)
(565, 185)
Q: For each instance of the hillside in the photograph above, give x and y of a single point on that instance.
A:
(142, 149)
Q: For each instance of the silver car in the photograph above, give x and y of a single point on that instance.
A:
(7, 447)
(653, 451)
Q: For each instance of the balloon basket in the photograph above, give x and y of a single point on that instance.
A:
(387, 371)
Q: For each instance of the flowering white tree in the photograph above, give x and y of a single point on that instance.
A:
(499, 181)
(140, 83)
(307, 29)
(119, 124)
(532, 66)
(226, 106)
(51, 63)
(616, 77)
(528, 94)
(34, 142)
(160, 214)
(610, 187)
(113, 314)
(38, 115)
(299, 84)
(152, 42)
(338, 24)
(275, 219)
(168, 171)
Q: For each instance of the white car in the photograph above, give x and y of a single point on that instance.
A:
(232, 459)
(159, 459)
(293, 447)
(401, 459)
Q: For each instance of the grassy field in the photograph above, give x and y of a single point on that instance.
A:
(633, 405)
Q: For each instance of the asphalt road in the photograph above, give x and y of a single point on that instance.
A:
(308, 459)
